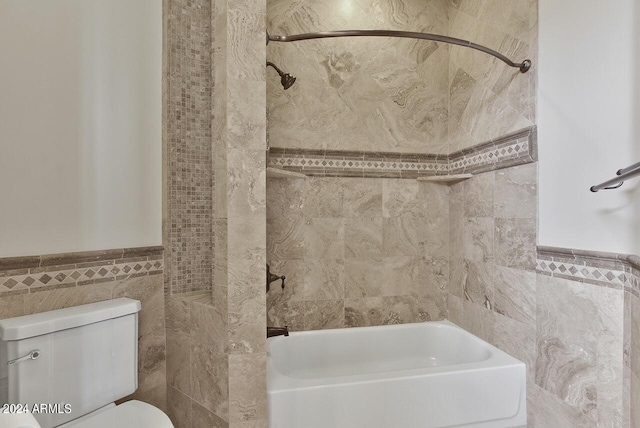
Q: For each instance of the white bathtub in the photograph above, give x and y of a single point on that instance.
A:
(423, 375)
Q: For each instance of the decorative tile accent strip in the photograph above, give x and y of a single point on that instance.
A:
(510, 150)
(21, 275)
(611, 270)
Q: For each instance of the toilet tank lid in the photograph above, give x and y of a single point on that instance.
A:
(63, 319)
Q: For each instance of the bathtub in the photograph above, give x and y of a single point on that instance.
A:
(423, 375)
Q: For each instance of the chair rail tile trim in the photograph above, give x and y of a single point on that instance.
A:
(510, 150)
(31, 274)
(613, 270)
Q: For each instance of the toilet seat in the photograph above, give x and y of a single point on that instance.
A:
(132, 414)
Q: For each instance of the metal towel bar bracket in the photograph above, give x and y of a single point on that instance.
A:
(622, 175)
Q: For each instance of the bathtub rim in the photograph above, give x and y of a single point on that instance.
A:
(280, 382)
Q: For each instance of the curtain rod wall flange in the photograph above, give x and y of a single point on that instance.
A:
(523, 66)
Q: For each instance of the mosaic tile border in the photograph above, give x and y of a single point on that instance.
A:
(510, 150)
(619, 271)
(31, 274)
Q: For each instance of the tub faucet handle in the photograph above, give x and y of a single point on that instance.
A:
(272, 277)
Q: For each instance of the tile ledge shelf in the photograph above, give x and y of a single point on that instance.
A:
(283, 173)
(446, 179)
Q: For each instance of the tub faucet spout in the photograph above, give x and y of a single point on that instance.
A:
(277, 331)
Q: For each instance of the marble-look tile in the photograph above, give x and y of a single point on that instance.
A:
(220, 192)
(400, 198)
(209, 324)
(179, 361)
(151, 328)
(382, 311)
(11, 306)
(50, 300)
(635, 334)
(246, 120)
(285, 238)
(285, 198)
(323, 314)
(479, 283)
(403, 236)
(324, 279)
(288, 313)
(436, 273)
(479, 195)
(515, 243)
(567, 345)
(516, 193)
(635, 401)
(178, 408)
(210, 379)
(436, 200)
(455, 309)
(478, 320)
(547, 410)
(324, 197)
(364, 277)
(220, 259)
(518, 340)
(404, 275)
(363, 238)
(515, 294)
(610, 363)
(362, 197)
(324, 238)
(246, 249)
(247, 319)
(457, 223)
(247, 388)
(177, 315)
(433, 308)
(246, 175)
(203, 418)
(478, 238)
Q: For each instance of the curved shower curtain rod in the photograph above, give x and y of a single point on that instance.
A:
(524, 66)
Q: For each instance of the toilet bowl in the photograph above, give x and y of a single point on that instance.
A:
(85, 358)
(132, 414)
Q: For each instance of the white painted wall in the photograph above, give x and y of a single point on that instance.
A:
(589, 123)
(80, 125)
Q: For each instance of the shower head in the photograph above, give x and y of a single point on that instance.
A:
(286, 79)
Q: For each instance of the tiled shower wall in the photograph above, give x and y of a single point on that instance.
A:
(378, 94)
(188, 164)
(357, 251)
(398, 95)
(487, 98)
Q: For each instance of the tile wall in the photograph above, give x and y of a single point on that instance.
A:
(486, 97)
(378, 94)
(38, 284)
(568, 330)
(188, 162)
(221, 333)
(398, 95)
(356, 251)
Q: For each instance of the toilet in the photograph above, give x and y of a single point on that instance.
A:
(77, 362)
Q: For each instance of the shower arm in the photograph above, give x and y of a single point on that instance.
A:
(524, 66)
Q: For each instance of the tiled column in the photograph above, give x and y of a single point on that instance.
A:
(246, 211)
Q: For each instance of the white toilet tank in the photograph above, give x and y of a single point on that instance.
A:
(78, 359)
